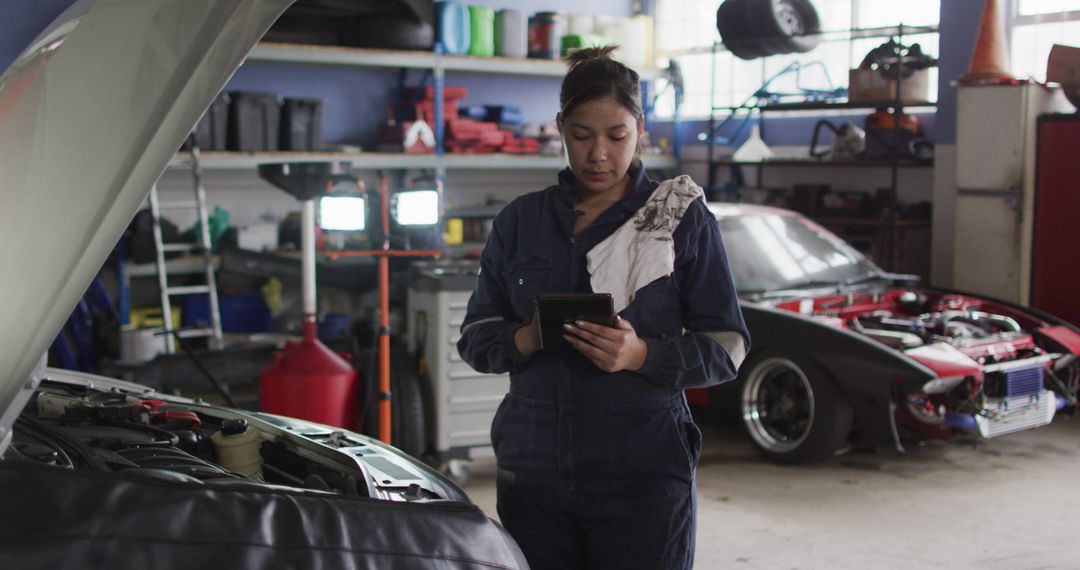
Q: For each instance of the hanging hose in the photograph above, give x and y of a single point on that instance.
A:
(221, 389)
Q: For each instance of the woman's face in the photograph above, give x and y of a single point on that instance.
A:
(601, 138)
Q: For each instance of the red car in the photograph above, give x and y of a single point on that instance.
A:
(844, 352)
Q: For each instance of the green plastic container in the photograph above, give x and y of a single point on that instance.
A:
(575, 42)
(482, 31)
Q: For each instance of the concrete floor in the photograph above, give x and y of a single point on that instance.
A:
(1009, 503)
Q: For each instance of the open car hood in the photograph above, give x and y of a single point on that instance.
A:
(90, 115)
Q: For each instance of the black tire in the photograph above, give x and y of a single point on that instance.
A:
(366, 362)
(736, 30)
(792, 409)
(795, 24)
(407, 419)
(762, 16)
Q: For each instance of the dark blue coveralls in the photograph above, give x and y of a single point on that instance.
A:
(596, 469)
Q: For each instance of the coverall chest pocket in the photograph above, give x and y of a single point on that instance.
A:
(525, 280)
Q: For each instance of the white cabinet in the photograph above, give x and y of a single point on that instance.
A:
(995, 179)
(463, 401)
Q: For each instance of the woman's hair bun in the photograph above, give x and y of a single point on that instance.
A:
(579, 56)
(594, 74)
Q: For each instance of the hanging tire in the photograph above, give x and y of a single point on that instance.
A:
(794, 23)
(761, 16)
(739, 37)
(757, 28)
(791, 409)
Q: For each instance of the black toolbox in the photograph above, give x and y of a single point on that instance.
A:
(254, 121)
(211, 130)
(301, 124)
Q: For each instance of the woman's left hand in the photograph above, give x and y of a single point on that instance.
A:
(611, 349)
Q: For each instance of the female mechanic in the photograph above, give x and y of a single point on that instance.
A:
(595, 446)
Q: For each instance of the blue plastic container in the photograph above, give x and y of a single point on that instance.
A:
(453, 29)
(333, 326)
(239, 313)
(474, 112)
(504, 115)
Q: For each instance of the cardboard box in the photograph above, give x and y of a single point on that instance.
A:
(260, 236)
(869, 86)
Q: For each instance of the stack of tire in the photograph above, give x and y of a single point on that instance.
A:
(757, 28)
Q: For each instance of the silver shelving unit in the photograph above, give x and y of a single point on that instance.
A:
(266, 52)
(390, 161)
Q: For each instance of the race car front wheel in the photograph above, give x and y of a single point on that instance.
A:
(791, 409)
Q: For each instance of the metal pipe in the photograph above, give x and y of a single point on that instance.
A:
(385, 433)
(384, 350)
(385, 252)
(307, 246)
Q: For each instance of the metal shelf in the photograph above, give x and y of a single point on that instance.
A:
(810, 162)
(186, 265)
(386, 160)
(267, 52)
(856, 34)
(829, 106)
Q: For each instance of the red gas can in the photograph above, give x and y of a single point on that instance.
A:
(309, 381)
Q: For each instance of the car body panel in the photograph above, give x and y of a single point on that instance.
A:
(381, 509)
(90, 115)
(97, 520)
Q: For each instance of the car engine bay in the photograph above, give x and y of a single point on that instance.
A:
(98, 428)
(999, 369)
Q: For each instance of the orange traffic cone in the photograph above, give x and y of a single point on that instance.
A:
(990, 59)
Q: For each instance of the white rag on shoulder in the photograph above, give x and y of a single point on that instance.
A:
(642, 250)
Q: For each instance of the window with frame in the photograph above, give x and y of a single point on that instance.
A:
(1036, 25)
(686, 32)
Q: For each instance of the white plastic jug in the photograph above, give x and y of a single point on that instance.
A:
(511, 33)
(582, 24)
(629, 34)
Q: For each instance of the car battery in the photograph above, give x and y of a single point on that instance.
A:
(463, 400)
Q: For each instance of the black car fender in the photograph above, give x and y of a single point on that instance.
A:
(60, 518)
(870, 375)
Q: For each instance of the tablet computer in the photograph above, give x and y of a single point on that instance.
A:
(557, 309)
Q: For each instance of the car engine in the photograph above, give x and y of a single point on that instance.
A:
(111, 430)
(998, 367)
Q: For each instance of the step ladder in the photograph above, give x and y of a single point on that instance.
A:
(209, 288)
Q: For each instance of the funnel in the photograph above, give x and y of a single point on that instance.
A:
(304, 180)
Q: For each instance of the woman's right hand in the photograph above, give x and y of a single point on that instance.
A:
(527, 338)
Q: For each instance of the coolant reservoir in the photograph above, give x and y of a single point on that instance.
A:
(237, 448)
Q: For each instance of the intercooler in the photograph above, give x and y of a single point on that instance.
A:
(1016, 399)
(1015, 378)
(1007, 415)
